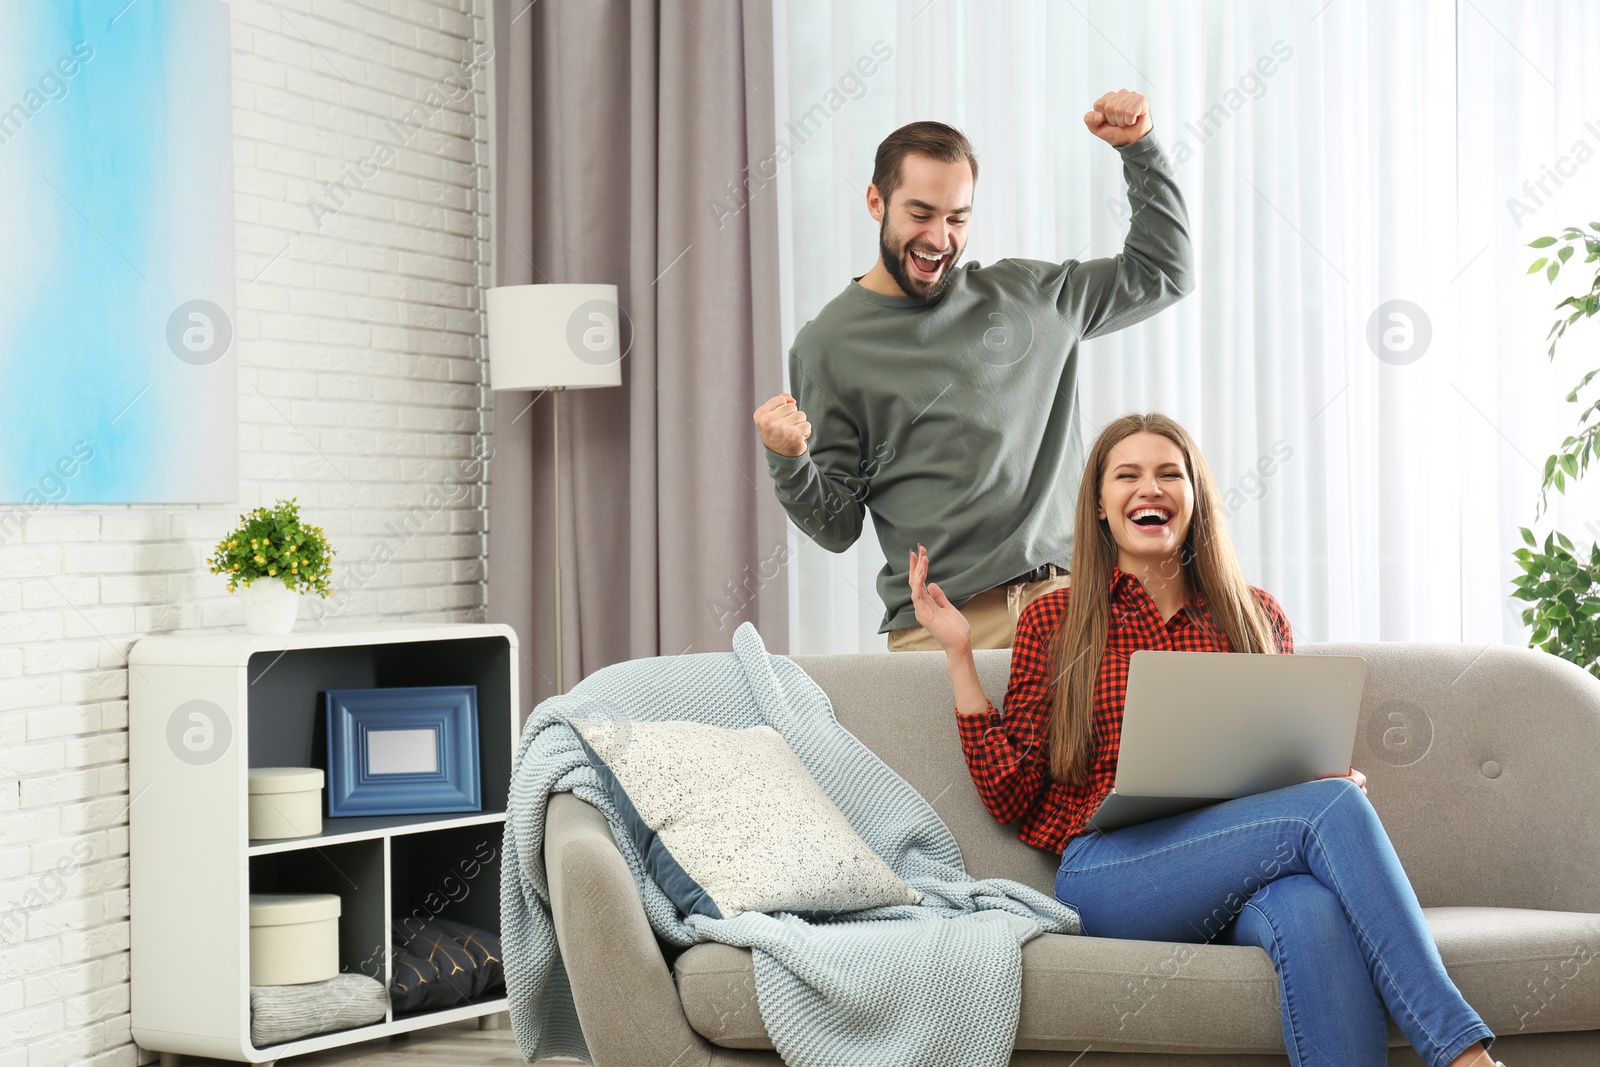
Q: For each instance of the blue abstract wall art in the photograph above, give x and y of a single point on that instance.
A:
(118, 376)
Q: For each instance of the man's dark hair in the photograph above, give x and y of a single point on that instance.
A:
(933, 139)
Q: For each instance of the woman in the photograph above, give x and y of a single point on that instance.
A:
(1306, 873)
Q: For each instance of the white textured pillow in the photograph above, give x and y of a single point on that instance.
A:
(730, 821)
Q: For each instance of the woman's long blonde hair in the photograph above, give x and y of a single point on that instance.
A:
(1207, 559)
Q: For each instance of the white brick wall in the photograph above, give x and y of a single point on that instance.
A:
(361, 392)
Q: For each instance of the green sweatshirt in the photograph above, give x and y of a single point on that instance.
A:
(956, 423)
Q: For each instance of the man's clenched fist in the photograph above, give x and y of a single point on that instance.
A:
(783, 426)
(1119, 118)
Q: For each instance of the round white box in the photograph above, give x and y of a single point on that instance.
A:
(285, 802)
(294, 938)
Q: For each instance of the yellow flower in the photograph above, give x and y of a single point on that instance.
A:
(233, 544)
(272, 572)
(235, 566)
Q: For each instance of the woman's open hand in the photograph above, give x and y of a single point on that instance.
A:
(937, 615)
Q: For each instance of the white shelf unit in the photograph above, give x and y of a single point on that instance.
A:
(192, 867)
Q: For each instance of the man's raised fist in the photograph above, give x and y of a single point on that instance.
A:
(1119, 118)
(783, 426)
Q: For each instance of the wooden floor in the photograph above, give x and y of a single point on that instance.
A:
(454, 1045)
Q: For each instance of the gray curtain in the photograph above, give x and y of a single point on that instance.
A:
(619, 125)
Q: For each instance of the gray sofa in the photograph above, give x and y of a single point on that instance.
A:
(1484, 763)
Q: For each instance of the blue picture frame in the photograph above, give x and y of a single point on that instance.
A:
(357, 717)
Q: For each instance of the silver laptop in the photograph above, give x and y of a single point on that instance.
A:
(1199, 727)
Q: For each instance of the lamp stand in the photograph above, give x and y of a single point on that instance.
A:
(555, 452)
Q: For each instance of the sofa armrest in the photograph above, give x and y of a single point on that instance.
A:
(626, 998)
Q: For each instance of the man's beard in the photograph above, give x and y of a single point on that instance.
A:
(913, 286)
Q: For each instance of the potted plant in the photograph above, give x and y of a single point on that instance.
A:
(1558, 579)
(274, 557)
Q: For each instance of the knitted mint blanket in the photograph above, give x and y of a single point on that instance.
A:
(937, 984)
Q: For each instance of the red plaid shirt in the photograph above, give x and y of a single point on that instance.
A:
(1009, 755)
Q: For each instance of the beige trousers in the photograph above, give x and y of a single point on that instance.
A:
(993, 614)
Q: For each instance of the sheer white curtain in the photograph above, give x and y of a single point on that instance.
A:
(1361, 361)
(1529, 121)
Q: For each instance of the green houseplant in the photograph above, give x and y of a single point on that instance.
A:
(274, 558)
(1560, 582)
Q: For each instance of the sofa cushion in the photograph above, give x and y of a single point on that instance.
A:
(899, 705)
(1532, 972)
(1525, 971)
(730, 821)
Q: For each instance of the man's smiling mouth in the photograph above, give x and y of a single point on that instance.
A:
(927, 265)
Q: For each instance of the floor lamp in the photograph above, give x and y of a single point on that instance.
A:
(554, 337)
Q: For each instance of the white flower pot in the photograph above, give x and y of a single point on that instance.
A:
(269, 606)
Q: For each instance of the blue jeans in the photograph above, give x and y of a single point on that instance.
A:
(1306, 873)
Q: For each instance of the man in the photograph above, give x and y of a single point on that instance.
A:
(946, 400)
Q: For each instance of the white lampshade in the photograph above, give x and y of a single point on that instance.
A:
(554, 337)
